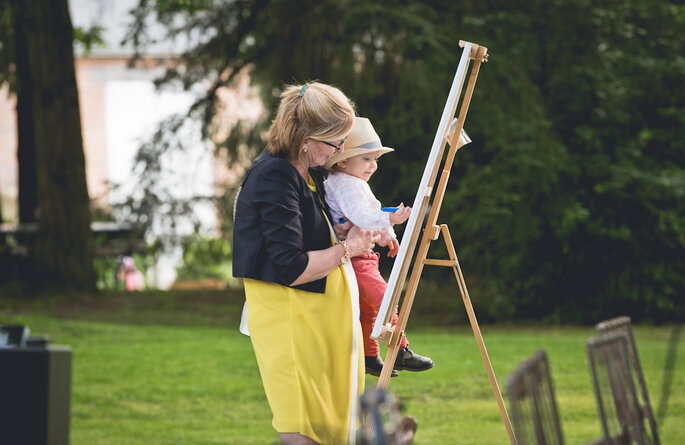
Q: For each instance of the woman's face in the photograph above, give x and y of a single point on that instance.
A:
(318, 152)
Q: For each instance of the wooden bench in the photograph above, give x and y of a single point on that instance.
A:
(111, 239)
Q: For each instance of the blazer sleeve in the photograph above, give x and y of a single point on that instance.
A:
(276, 198)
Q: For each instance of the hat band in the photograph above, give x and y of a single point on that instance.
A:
(372, 144)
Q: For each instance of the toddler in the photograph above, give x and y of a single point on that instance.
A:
(349, 196)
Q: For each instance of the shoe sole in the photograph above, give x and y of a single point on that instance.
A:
(414, 369)
(375, 373)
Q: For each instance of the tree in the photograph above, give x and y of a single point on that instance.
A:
(573, 207)
(50, 144)
(358, 46)
(568, 205)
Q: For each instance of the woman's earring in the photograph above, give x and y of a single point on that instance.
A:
(305, 150)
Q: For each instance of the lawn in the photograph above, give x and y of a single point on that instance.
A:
(171, 368)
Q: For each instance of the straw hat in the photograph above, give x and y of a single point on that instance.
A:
(361, 140)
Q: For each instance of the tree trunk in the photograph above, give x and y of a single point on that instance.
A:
(26, 147)
(64, 243)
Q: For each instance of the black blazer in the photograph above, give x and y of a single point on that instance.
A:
(277, 220)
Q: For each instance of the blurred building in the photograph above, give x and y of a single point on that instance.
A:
(120, 108)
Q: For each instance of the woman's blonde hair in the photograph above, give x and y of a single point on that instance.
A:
(314, 110)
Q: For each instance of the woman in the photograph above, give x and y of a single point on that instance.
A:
(301, 293)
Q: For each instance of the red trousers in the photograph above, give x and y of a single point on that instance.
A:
(371, 290)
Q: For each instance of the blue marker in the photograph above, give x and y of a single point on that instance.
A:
(384, 209)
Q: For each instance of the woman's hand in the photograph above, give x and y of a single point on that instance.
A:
(322, 262)
(401, 215)
(360, 242)
(341, 229)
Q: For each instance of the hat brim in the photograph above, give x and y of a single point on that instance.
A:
(355, 151)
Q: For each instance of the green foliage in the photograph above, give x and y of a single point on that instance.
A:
(7, 56)
(206, 258)
(569, 202)
(583, 201)
(87, 38)
(106, 271)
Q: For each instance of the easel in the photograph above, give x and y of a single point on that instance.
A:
(383, 330)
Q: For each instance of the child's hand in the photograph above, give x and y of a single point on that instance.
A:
(384, 240)
(401, 215)
(394, 247)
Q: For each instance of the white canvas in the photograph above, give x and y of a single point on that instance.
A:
(436, 150)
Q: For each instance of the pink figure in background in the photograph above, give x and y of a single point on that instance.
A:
(130, 275)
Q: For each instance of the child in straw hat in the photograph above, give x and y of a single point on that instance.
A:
(350, 198)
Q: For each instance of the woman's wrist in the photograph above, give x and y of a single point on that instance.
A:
(346, 253)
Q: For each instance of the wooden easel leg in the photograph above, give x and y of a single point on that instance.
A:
(390, 357)
(476, 332)
(403, 315)
(394, 343)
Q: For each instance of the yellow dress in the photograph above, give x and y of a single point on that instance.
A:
(308, 351)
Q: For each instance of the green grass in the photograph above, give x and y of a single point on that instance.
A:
(171, 368)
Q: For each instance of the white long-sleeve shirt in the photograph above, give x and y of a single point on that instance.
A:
(351, 198)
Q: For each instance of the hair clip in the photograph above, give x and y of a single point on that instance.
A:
(304, 88)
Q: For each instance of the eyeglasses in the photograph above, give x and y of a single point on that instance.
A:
(337, 147)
